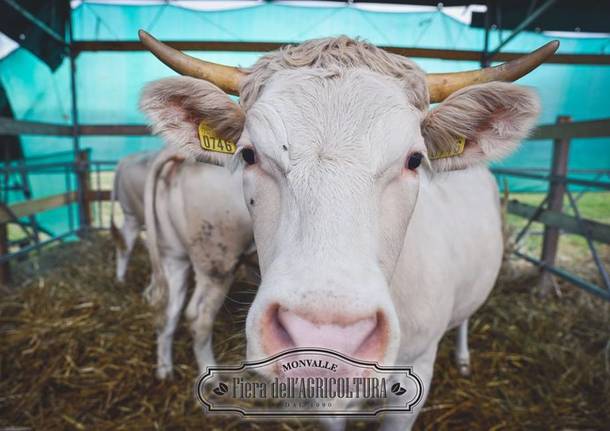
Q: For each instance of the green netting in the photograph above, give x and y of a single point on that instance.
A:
(108, 83)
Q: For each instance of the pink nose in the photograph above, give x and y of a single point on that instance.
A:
(363, 338)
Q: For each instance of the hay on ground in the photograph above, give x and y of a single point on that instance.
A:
(78, 352)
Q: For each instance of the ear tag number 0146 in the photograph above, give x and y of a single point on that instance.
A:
(209, 141)
(459, 149)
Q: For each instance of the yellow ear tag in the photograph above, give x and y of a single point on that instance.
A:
(461, 142)
(209, 141)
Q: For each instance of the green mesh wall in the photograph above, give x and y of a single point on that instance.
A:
(108, 83)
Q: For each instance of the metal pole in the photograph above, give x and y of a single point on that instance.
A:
(566, 180)
(598, 261)
(84, 185)
(591, 288)
(27, 193)
(484, 54)
(5, 267)
(550, 242)
(38, 23)
(75, 133)
(526, 22)
(25, 250)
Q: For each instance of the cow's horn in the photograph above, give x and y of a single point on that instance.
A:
(225, 77)
(441, 85)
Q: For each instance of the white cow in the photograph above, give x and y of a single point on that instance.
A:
(376, 221)
(195, 218)
(213, 230)
(128, 191)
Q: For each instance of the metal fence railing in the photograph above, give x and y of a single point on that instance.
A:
(550, 211)
(24, 216)
(85, 190)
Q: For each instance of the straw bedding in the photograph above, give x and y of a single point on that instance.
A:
(77, 352)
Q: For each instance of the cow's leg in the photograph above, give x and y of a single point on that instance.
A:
(423, 367)
(147, 294)
(208, 297)
(129, 232)
(176, 272)
(462, 355)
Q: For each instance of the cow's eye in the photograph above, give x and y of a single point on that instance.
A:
(248, 155)
(414, 161)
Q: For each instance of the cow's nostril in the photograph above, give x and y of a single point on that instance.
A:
(280, 337)
(364, 337)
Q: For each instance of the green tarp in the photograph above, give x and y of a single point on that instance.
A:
(108, 83)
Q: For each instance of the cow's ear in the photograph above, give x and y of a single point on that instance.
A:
(478, 124)
(195, 117)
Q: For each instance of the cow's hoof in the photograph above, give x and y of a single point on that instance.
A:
(164, 372)
(464, 369)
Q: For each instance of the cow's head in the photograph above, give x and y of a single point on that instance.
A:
(335, 139)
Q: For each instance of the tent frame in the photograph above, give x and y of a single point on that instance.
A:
(487, 57)
(261, 47)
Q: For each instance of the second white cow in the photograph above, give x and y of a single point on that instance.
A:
(206, 229)
(195, 218)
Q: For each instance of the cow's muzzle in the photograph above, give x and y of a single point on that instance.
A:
(359, 337)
